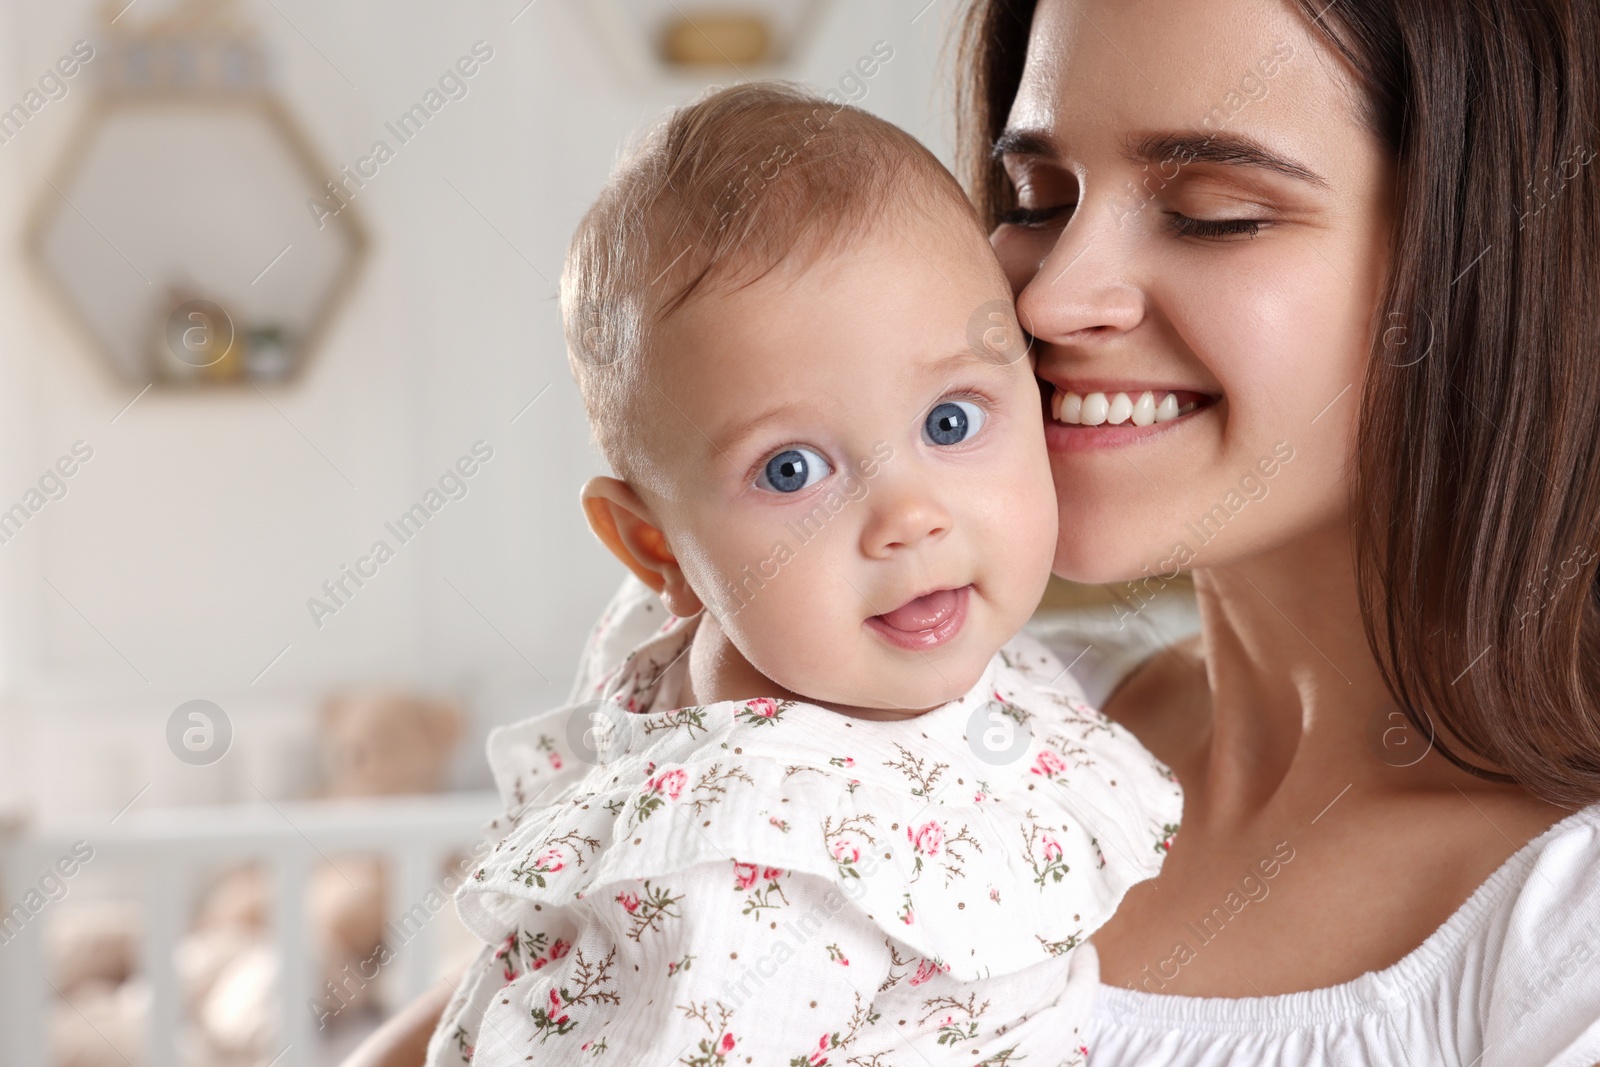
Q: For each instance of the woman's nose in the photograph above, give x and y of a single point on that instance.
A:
(902, 517)
(1081, 291)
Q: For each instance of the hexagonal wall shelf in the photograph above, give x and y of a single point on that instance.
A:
(181, 228)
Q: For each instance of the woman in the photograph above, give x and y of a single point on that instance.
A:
(1360, 241)
(1361, 236)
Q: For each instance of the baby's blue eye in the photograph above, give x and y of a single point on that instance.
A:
(952, 422)
(792, 470)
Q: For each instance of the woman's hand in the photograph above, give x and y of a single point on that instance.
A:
(402, 1041)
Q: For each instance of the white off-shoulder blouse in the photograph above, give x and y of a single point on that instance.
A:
(1512, 979)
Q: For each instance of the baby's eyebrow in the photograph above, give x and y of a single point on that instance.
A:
(969, 358)
(731, 438)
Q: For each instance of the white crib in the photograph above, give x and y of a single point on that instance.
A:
(164, 855)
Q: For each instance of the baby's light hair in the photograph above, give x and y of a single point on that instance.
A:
(718, 194)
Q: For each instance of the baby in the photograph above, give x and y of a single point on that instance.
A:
(835, 809)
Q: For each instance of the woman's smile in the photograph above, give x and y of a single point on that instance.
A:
(1089, 414)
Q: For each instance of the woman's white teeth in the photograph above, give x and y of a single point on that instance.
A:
(1121, 409)
(1067, 407)
(1144, 412)
(1096, 408)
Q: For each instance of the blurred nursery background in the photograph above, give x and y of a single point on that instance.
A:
(289, 461)
(288, 474)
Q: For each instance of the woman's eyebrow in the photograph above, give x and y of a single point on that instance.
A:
(1222, 148)
(1184, 147)
(1023, 142)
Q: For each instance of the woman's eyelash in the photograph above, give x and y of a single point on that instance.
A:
(1027, 217)
(1184, 226)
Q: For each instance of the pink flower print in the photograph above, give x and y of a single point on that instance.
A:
(977, 798)
(744, 874)
(551, 861)
(559, 949)
(555, 1006)
(670, 783)
(764, 707)
(994, 895)
(927, 969)
(819, 1058)
(1052, 849)
(629, 902)
(555, 761)
(540, 962)
(771, 874)
(725, 1046)
(1049, 764)
(510, 973)
(845, 852)
(926, 838)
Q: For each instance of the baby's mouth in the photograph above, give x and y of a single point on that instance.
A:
(1139, 408)
(925, 621)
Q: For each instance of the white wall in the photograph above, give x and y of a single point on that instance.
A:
(180, 563)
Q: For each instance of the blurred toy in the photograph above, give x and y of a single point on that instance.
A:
(92, 952)
(384, 743)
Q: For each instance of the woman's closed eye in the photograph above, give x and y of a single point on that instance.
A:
(793, 469)
(1213, 229)
(1044, 218)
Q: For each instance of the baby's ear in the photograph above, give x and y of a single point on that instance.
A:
(625, 524)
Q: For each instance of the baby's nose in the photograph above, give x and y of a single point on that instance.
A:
(902, 519)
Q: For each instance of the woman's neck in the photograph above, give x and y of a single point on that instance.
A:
(1296, 698)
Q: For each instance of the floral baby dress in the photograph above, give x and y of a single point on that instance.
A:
(770, 882)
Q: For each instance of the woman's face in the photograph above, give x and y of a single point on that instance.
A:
(1201, 213)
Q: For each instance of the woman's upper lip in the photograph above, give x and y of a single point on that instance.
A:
(1085, 386)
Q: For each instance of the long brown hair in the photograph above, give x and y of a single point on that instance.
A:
(1477, 480)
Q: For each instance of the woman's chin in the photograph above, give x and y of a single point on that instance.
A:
(1114, 564)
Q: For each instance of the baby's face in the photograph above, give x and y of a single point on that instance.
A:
(859, 495)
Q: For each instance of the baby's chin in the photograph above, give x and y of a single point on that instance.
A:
(918, 683)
